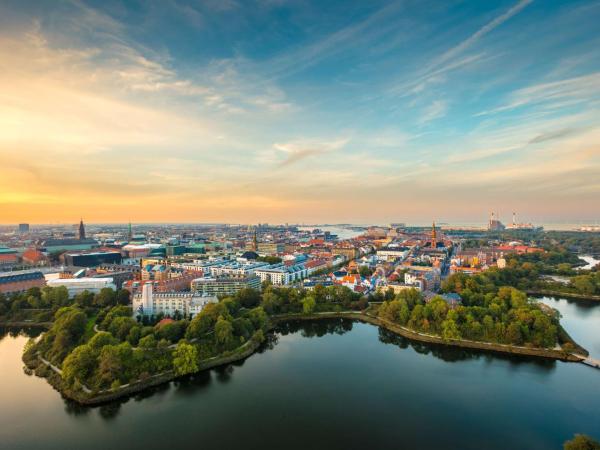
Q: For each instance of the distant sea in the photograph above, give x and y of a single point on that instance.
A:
(345, 233)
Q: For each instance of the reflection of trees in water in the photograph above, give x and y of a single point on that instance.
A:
(192, 384)
(316, 328)
(224, 373)
(75, 409)
(14, 332)
(271, 340)
(110, 410)
(160, 389)
(195, 383)
(453, 354)
(580, 304)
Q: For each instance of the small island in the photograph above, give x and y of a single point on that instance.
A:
(97, 350)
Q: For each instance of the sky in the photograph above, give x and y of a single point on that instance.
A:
(299, 111)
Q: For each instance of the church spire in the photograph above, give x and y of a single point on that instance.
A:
(433, 236)
(81, 230)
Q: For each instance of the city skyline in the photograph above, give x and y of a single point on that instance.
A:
(274, 111)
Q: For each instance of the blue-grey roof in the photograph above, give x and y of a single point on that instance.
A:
(14, 277)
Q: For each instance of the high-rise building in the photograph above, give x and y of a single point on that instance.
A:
(81, 230)
(23, 228)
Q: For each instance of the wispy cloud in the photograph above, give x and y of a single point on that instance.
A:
(553, 135)
(580, 89)
(297, 151)
(487, 28)
(348, 37)
(434, 111)
(435, 72)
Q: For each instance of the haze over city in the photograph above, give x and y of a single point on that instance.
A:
(369, 112)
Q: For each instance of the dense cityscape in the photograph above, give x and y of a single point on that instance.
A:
(255, 224)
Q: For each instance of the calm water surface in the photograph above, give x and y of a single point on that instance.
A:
(328, 385)
(581, 319)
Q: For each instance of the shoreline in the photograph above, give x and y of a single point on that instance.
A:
(250, 347)
(432, 339)
(25, 324)
(567, 295)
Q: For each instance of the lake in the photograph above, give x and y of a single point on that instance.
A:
(333, 384)
(581, 319)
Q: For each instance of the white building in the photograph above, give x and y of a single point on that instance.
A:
(203, 265)
(281, 275)
(186, 303)
(237, 269)
(392, 253)
(413, 280)
(77, 285)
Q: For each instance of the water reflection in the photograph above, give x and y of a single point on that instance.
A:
(350, 392)
(317, 328)
(196, 383)
(75, 409)
(581, 319)
(193, 384)
(455, 354)
(13, 332)
(110, 410)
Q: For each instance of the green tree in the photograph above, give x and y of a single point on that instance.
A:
(57, 296)
(173, 332)
(223, 331)
(203, 323)
(185, 358)
(582, 442)
(308, 305)
(583, 284)
(85, 298)
(123, 297)
(121, 326)
(248, 297)
(450, 330)
(513, 333)
(258, 317)
(80, 364)
(106, 297)
(101, 339)
(148, 342)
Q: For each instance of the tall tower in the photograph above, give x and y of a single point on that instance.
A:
(129, 232)
(255, 241)
(81, 230)
(433, 236)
